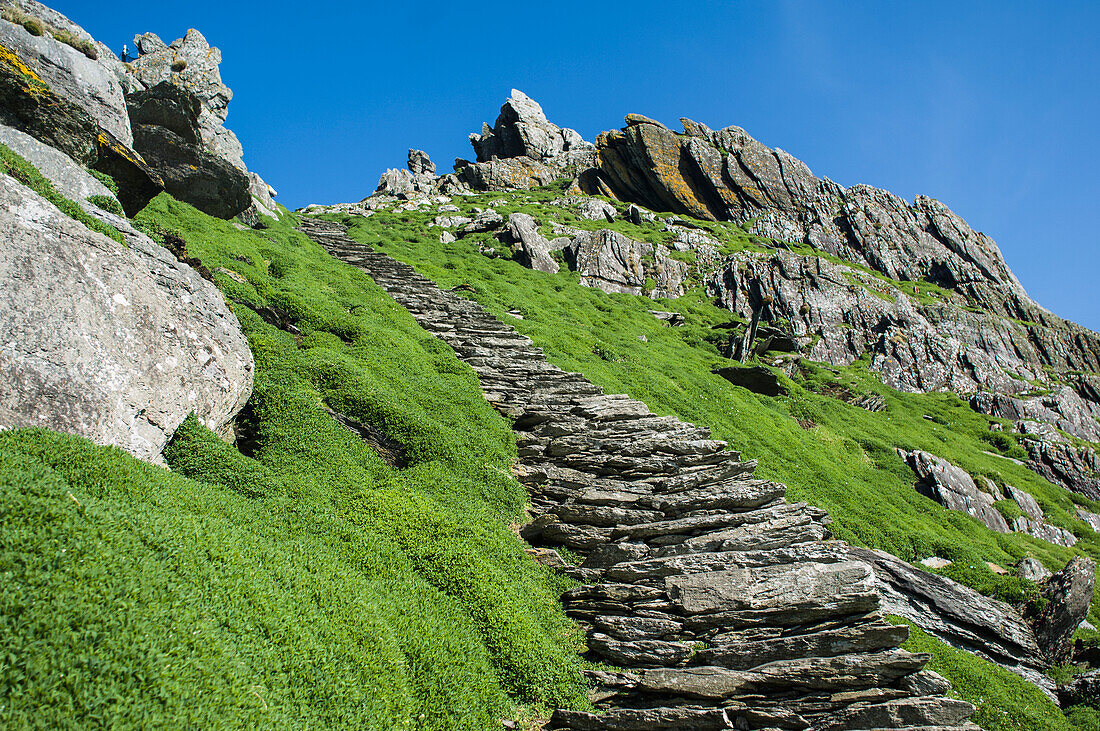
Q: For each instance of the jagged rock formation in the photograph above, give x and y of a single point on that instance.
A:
(1069, 594)
(165, 123)
(192, 63)
(71, 180)
(911, 284)
(29, 104)
(117, 343)
(524, 149)
(951, 486)
(961, 617)
(728, 606)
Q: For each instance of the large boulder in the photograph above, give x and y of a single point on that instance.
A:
(29, 104)
(758, 379)
(608, 260)
(959, 616)
(70, 73)
(69, 178)
(192, 175)
(953, 488)
(524, 149)
(1068, 593)
(532, 248)
(138, 183)
(191, 63)
(116, 343)
(522, 130)
(420, 163)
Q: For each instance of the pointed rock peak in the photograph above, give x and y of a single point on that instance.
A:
(523, 107)
(420, 163)
(522, 130)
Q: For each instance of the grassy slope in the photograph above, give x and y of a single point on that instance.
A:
(308, 584)
(845, 463)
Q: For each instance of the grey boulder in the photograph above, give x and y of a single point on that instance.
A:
(114, 343)
(70, 179)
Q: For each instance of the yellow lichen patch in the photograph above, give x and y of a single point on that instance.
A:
(120, 149)
(8, 57)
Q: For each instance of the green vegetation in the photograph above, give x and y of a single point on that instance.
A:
(299, 581)
(107, 203)
(27, 174)
(847, 463)
(36, 27)
(33, 26)
(106, 179)
(1004, 701)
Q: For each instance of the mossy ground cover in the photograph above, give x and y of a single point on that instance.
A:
(829, 453)
(301, 581)
(16, 166)
(1004, 701)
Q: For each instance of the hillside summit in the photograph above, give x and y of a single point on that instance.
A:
(659, 431)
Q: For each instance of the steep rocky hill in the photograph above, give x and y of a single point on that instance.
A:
(656, 431)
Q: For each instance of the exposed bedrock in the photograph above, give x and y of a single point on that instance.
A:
(727, 606)
(191, 63)
(116, 343)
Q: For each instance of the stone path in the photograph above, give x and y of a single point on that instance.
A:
(726, 606)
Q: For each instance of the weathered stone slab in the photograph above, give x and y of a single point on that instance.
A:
(788, 587)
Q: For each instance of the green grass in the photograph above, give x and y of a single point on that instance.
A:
(27, 174)
(1003, 700)
(303, 582)
(107, 203)
(845, 462)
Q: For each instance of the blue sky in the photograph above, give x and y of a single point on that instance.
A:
(991, 107)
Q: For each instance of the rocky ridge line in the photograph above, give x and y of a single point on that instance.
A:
(849, 272)
(727, 606)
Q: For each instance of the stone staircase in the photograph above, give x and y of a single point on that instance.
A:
(726, 606)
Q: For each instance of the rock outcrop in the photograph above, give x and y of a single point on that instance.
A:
(960, 616)
(90, 84)
(608, 260)
(114, 343)
(524, 149)
(165, 123)
(193, 64)
(953, 488)
(1068, 593)
(70, 179)
(726, 606)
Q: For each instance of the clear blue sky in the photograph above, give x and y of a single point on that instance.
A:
(992, 107)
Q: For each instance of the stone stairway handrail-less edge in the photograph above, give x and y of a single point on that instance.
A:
(726, 606)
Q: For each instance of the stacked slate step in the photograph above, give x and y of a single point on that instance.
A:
(726, 606)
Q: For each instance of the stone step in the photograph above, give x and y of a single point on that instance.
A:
(734, 606)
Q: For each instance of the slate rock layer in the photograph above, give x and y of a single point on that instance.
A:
(727, 606)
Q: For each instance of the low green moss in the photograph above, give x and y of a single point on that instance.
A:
(448, 512)
(107, 203)
(27, 174)
(1003, 700)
